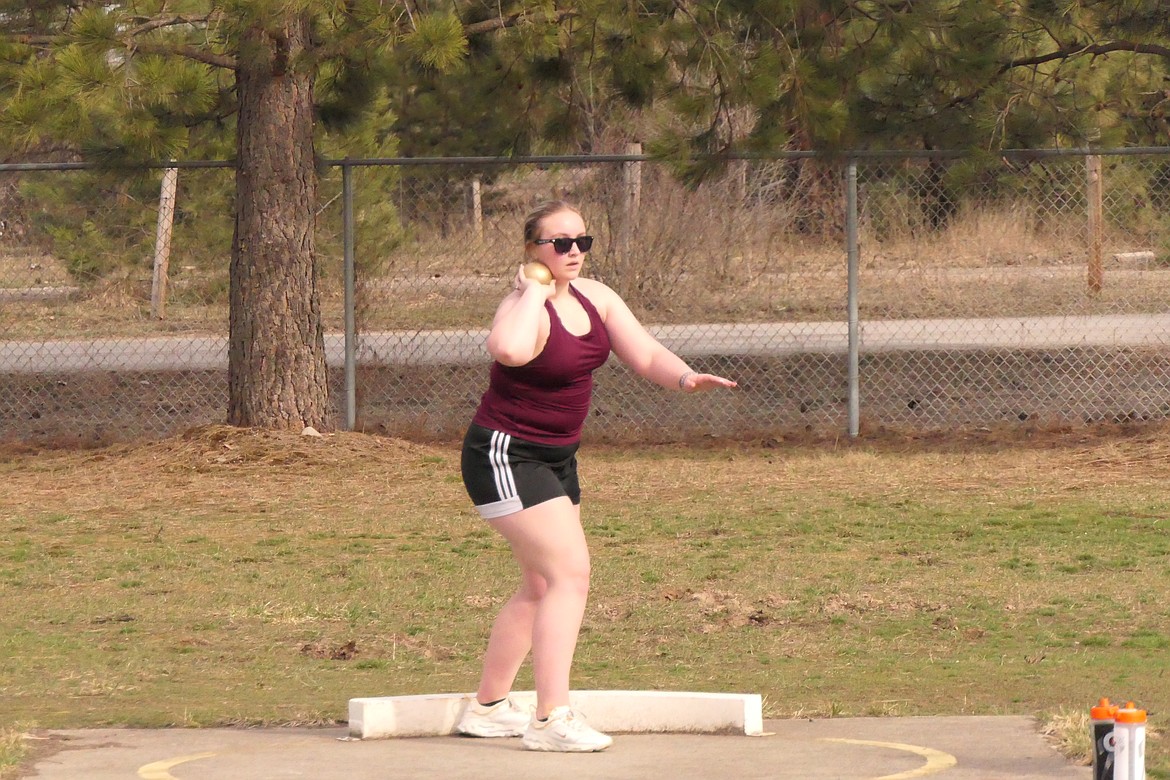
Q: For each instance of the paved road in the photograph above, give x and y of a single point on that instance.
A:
(945, 748)
(467, 346)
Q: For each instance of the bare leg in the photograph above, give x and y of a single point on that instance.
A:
(549, 544)
(510, 641)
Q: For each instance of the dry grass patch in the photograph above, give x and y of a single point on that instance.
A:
(1070, 731)
(11, 751)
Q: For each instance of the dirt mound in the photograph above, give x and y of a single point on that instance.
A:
(208, 448)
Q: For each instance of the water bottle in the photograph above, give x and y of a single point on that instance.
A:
(1129, 739)
(1102, 729)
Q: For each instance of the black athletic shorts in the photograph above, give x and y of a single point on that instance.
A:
(504, 474)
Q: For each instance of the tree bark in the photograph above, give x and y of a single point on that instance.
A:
(276, 357)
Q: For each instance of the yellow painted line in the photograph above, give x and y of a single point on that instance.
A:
(936, 760)
(159, 770)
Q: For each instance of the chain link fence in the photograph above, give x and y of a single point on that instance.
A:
(898, 292)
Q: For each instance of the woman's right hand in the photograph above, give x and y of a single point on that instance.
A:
(516, 336)
(523, 283)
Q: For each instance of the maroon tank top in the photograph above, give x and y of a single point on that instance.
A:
(547, 399)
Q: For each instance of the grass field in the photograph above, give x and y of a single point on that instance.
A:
(238, 577)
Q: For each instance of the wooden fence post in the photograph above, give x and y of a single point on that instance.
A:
(1093, 192)
(476, 206)
(162, 244)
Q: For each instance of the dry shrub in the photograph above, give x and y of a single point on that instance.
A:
(999, 236)
(694, 251)
(978, 237)
(1068, 731)
(12, 750)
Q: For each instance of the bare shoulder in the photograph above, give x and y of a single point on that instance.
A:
(598, 293)
(592, 286)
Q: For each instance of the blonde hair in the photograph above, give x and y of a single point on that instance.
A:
(542, 212)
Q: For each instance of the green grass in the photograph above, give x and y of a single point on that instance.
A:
(219, 578)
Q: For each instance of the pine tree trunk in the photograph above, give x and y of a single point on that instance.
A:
(276, 357)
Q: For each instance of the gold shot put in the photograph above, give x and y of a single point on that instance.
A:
(538, 271)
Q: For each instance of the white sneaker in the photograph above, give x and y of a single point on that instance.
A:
(503, 719)
(564, 732)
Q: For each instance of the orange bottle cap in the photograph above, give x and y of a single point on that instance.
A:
(1130, 714)
(1103, 711)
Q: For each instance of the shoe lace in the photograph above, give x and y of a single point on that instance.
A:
(574, 723)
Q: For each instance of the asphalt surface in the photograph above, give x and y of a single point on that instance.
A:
(946, 748)
(165, 353)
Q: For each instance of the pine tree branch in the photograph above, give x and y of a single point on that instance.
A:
(157, 23)
(31, 40)
(190, 52)
(504, 22)
(129, 39)
(1065, 52)
(341, 48)
(1094, 49)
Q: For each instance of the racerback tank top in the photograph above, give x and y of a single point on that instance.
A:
(547, 399)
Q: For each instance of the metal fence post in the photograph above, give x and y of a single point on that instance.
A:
(852, 258)
(631, 204)
(974, 313)
(350, 319)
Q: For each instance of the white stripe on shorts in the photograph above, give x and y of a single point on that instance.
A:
(501, 469)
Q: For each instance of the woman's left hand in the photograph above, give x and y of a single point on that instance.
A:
(696, 383)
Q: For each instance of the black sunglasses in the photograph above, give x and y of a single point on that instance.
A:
(563, 245)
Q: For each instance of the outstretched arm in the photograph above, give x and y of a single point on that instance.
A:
(646, 356)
